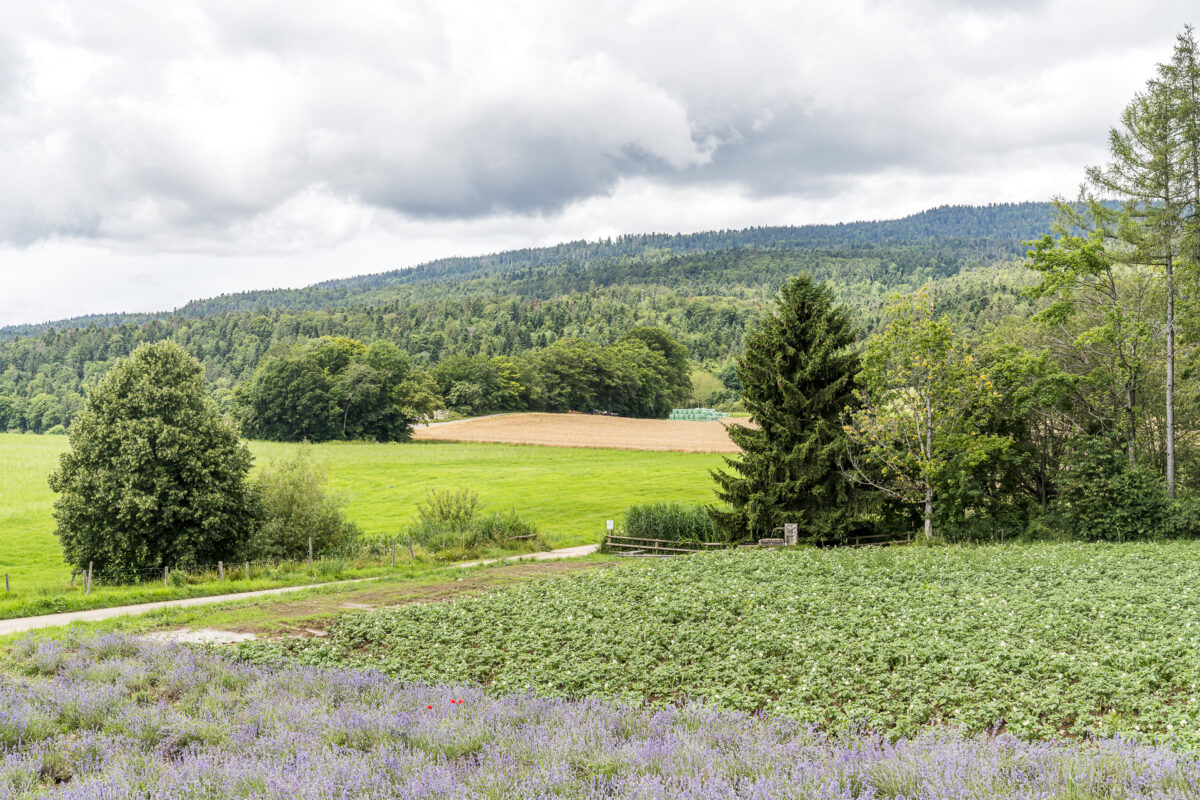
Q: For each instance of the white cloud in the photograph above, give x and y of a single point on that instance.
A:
(188, 148)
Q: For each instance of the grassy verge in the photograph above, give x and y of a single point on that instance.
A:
(307, 611)
(1041, 641)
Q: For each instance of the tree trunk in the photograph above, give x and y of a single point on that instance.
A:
(1170, 377)
(1131, 423)
(928, 512)
(928, 458)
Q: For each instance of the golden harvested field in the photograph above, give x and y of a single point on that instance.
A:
(585, 430)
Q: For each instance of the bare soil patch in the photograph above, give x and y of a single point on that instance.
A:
(586, 430)
(309, 616)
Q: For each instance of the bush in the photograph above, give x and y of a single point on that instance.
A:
(454, 507)
(56, 430)
(294, 506)
(450, 519)
(1104, 498)
(675, 522)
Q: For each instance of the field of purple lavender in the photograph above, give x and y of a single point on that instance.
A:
(112, 718)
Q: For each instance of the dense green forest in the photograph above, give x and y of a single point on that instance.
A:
(934, 243)
(518, 303)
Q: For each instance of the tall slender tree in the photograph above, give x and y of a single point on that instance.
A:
(1155, 171)
(797, 378)
(1146, 172)
(1182, 77)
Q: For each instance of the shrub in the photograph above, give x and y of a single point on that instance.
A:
(450, 518)
(454, 507)
(294, 506)
(56, 430)
(1102, 497)
(672, 521)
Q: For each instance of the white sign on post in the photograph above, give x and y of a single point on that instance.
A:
(610, 525)
(791, 534)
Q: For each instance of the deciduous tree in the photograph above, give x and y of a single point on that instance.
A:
(919, 389)
(154, 477)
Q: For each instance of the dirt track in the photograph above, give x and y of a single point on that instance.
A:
(585, 430)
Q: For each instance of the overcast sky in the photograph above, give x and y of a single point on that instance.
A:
(155, 152)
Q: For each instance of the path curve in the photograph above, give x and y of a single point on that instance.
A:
(21, 624)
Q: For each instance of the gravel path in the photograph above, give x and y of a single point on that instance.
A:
(8, 626)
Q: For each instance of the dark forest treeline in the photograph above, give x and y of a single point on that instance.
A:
(524, 301)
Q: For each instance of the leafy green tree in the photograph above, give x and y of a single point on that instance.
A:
(994, 497)
(153, 476)
(573, 371)
(295, 507)
(333, 387)
(797, 378)
(1098, 317)
(678, 373)
(1102, 497)
(289, 399)
(920, 391)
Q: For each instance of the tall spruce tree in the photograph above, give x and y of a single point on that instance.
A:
(797, 378)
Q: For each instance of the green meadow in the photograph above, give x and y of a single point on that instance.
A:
(568, 493)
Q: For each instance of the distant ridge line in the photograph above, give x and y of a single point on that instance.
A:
(1019, 221)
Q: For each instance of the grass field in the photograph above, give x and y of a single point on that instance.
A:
(569, 493)
(1037, 640)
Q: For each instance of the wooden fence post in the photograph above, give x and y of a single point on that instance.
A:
(393, 550)
(310, 552)
(247, 570)
(6, 583)
(89, 579)
(221, 571)
(166, 576)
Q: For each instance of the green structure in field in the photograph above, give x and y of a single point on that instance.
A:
(701, 414)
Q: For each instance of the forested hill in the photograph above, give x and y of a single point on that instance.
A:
(949, 237)
(517, 304)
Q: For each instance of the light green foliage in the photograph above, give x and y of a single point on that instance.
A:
(1044, 640)
(153, 476)
(919, 390)
(677, 522)
(456, 507)
(452, 519)
(704, 386)
(295, 507)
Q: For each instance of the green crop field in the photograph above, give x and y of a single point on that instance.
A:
(568, 493)
(1038, 640)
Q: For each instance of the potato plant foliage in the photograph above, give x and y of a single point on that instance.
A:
(1039, 641)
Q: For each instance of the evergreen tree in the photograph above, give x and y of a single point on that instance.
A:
(154, 477)
(797, 378)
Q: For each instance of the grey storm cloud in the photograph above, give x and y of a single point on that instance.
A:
(136, 121)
